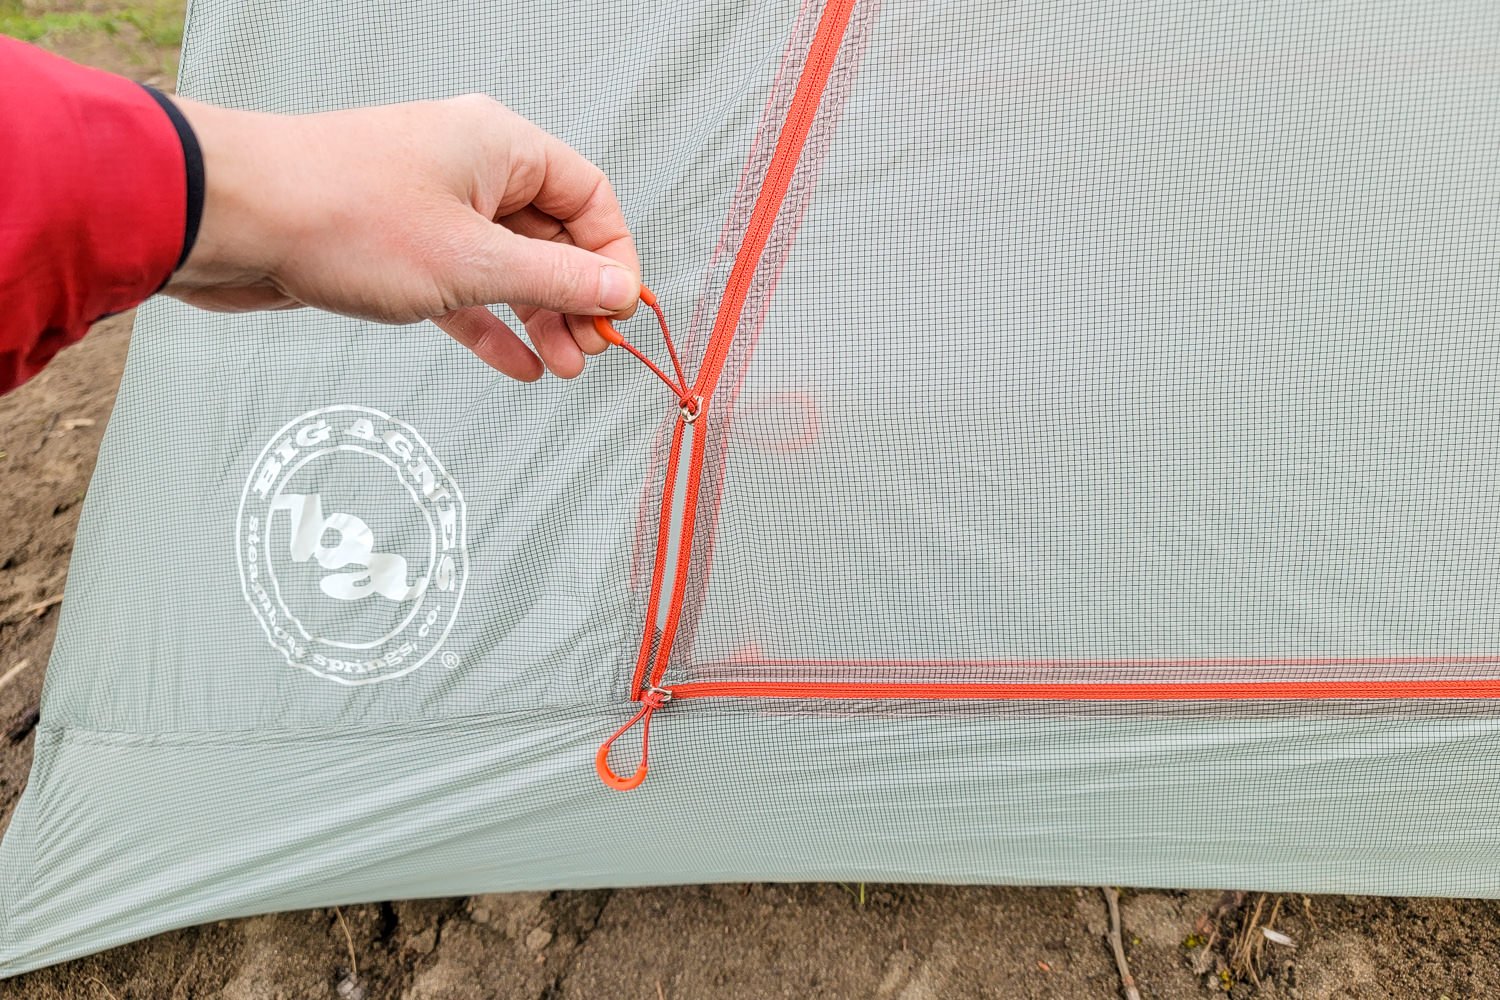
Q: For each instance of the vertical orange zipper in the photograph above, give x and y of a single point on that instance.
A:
(800, 116)
(799, 121)
(803, 110)
(821, 56)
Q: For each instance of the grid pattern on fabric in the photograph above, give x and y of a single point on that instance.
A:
(551, 476)
(1090, 344)
(1124, 346)
(659, 519)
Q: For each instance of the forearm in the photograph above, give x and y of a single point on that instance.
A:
(98, 202)
(430, 210)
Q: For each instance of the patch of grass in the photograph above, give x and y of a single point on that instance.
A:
(155, 22)
(139, 38)
(858, 894)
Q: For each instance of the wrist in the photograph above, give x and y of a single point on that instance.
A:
(241, 229)
(192, 157)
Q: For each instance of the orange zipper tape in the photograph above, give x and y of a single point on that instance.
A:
(801, 114)
(1206, 691)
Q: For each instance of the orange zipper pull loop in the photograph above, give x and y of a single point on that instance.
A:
(651, 699)
(649, 298)
(679, 388)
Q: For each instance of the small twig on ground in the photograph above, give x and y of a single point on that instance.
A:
(47, 431)
(13, 673)
(1270, 924)
(1247, 947)
(39, 607)
(97, 982)
(23, 725)
(34, 611)
(1242, 956)
(348, 940)
(661, 994)
(1117, 942)
(1205, 960)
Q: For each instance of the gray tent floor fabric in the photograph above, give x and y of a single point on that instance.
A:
(504, 804)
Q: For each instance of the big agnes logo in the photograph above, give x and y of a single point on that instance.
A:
(350, 541)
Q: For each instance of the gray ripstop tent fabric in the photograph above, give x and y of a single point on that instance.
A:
(1096, 481)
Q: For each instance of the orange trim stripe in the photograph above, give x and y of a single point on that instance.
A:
(1186, 662)
(1234, 691)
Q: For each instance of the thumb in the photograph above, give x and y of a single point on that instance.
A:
(544, 274)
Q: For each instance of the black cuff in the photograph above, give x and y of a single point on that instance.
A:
(192, 156)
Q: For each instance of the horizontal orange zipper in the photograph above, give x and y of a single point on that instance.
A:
(655, 698)
(1133, 691)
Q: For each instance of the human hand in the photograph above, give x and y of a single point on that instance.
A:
(428, 210)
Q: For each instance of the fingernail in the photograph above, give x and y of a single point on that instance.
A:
(618, 289)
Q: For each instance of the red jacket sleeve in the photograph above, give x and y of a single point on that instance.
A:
(94, 201)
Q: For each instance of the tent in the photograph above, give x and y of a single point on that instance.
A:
(1085, 474)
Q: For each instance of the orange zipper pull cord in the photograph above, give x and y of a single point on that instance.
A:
(689, 404)
(651, 699)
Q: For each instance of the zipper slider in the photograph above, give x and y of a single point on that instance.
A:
(652, 698)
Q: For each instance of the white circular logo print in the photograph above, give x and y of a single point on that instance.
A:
(350, 542)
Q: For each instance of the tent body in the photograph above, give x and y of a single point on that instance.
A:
(1096, 482)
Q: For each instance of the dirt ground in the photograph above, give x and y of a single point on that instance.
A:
(735, 941)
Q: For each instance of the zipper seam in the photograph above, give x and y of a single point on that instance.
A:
(658, 572)
(1438, 659)
(801, 114)
(1125, 691)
